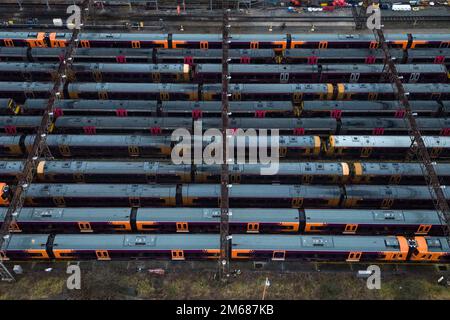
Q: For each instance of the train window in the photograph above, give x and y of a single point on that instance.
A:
(60, 35)
(33, 34)
(435, 243)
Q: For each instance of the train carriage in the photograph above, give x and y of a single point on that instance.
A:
(248, 73)
(375, 73)
(383, 146)
(325, 56)
(340, 248)
(77, 195)
(384, 91)
(137, 246)
(138, 91)
(257, 109)
(438, 56)
(338, 109)
(94, 125)
(320, 248)
(8, 54)
(10, 145)
(389, 197)
(288, 172)
(112, 172)
(256, 220)
(371, 222)
(196, 56)
(120, 108)
(396, 172)
(274, 91)
(94, 55)
(123, 40)
(30, 39)
(291, 196)
(106, 145)
(26, 247)
(8, 106)
(72, 220)
(20, 91)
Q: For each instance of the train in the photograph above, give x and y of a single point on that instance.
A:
(297, 93)
(289, 147)
(323, 172)
(241, 56)
(199, 109)
(167, 125)
(259, 247)
(212, 73)
(241, 195)
(214, 41)
(207, 220)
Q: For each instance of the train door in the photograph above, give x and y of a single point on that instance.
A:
(8, 42)
(414, 77)
(354, 77)
(284, 77)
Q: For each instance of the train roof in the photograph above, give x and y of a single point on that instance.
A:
(370, 106)
(120, 36)
(257, 68)
(9, 140)
(316, 243)
(284, 168)
(235, 106)
(130, 67)
(10, 167)
(213, 215)
(388, 87)
(391, 192)
(141, 241)
(71, 214)
(385, 141)
(401, 168)
(340, 53)
(6, 103)
(367, 217)
(32, 121)
(131, 87)
(263, 191)
(378, 68)
(26, 242)
(93, 105)
(274, 88)
(123, 122)
(438, 244)
(42, 190)
(26, 86)
(102, 140)
(273, 123)
(214, 53)
(99, 167)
